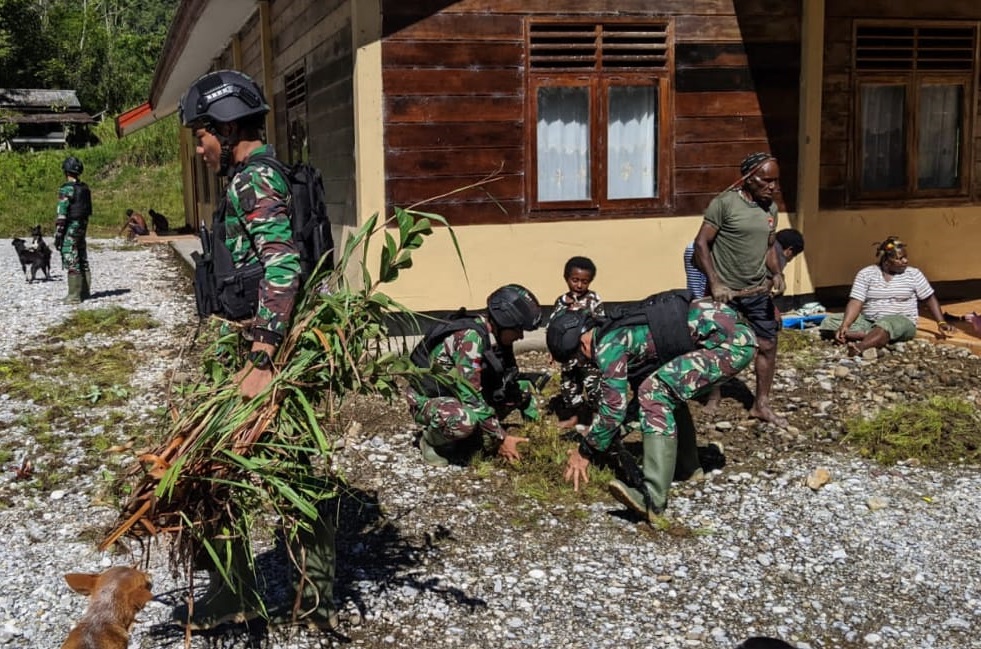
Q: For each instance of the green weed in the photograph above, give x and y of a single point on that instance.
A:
(936, 431)
(109, 321)
(70, 378)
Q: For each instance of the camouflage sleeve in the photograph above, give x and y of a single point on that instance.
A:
(571, 385)
(65, 194)
(260, 193)
(465, 349)
(611, 357)
(596, 305)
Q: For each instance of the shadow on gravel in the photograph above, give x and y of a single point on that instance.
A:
(110, 293)
(371, 554)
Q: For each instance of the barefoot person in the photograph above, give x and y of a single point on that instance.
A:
(883, 304)
(735, 249)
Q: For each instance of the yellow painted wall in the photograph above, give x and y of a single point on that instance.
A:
(634, 258)
(941, 242)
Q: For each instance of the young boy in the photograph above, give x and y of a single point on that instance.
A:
(578, 382)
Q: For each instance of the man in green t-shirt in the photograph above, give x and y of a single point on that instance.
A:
(734, 248)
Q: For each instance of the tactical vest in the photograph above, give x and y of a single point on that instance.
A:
(80, 205)
(494, 367)
(666, 315)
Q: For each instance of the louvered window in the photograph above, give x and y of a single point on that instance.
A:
(913, 87)
(598, 47)
(598, 119)
(296, 113)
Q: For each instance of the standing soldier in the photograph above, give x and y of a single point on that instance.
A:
(719, 345)
(71, 221)
(226, 112)
(474, 384)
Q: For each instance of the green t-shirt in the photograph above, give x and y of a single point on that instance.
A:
(739, 249)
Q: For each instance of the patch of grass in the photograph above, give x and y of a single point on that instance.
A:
(936, 431)
(539, 474)
(798, 349)
(6, 455)
(140, 171)
(64, 381)
(109, 321)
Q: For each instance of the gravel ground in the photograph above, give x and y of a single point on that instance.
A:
(878, 557)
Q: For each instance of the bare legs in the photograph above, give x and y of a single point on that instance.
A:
(876, 337)
(765, 364)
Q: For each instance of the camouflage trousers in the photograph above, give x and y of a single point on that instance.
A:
(447, 420)
(74, 254)
(686, 377)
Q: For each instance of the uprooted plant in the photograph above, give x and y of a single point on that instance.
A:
(227, 461)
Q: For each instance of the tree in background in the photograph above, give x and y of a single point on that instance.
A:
(106, 50)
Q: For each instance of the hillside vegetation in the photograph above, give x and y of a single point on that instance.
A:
(139, 172)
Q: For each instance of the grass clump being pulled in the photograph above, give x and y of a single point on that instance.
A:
(937, 431)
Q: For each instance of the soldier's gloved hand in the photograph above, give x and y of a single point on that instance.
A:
(779, 284)
(722, 293)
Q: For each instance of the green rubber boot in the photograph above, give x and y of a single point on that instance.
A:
(74, 289)
(428, 444)
(314, 578)
(86, 284)
(688, 467)
(660, 454)
(221, 604)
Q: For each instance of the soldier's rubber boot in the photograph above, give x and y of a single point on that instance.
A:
(660, 455)
(688, 466)
(220, 604)
(86, 284)
(428, 444)
(314, 578)
(74, 289)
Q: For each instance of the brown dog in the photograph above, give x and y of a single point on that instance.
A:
(115, 597)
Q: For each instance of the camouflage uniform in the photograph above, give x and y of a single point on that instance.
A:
(579, 382)
(724, 346)
(258, 230)
(71, 230)
(449, 419)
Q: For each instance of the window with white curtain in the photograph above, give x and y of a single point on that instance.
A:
(913, 84)
(597, 94)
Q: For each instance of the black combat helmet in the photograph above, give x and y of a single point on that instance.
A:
(563, 334)
(222, 96)
(72, 166)
(514, 307)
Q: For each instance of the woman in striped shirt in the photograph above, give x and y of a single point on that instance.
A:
(883, 304)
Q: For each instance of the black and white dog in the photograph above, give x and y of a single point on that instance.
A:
(38, 260)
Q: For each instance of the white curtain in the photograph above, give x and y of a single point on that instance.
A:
(563, 144)
(631, 142)
(883, 137)
(938, 161)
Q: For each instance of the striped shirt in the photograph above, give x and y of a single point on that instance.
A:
(696, 279)
(898, 296)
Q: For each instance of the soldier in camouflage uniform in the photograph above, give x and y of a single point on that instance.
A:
(473, 391)
(226, 111)
(71, 222)
(579, 381)
(724, 345)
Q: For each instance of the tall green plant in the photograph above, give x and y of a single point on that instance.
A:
(229, 459)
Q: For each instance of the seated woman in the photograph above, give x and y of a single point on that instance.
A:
(135, 224)
(882, 306)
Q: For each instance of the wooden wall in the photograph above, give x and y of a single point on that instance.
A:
(316, 34)
(837, 135)
(454, 85)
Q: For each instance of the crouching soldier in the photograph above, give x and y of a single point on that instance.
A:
(670, 351)
(473, 384)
